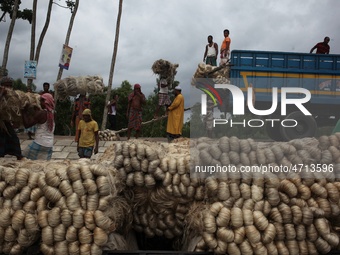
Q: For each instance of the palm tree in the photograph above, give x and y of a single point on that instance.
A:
(113, 62)
(33, 25)
(74, 8)
(9, 36)
(35, 55)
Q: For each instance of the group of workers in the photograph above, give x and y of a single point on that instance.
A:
(174, 110)
(87, 137)
(136, 100)
(211, 49)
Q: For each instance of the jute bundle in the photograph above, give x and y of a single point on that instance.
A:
(165, 70)
(74, 206)
(218, 75)
(15, 100)
(108, 135)
(18, 219)
(72, 86)
(282, 212)
(160, 184)
(235, 212)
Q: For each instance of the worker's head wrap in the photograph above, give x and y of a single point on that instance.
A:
(87, 112)
(49, 106)
(137, 86)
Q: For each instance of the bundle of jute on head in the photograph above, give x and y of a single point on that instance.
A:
(165, 70)
(15, 100)
(72, 86)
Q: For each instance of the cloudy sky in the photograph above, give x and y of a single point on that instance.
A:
(174, 30)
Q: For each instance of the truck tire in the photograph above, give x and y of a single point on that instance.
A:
(306, 127)
(274, 132)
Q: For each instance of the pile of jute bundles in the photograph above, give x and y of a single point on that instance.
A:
(293, 210)
(108, 135)
(69, 208)
(158, 183)
(165, 70)
(13, 101)
(72, 86)
(218, 74)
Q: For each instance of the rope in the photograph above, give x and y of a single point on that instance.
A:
(148, 122)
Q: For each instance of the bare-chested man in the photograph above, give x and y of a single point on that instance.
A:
(134, 111)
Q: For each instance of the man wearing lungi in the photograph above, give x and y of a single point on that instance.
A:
(163, 96)
(43, 119)
(134, 111)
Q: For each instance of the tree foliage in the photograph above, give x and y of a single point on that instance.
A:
(19, 85)
(63, 113)
(6, 6)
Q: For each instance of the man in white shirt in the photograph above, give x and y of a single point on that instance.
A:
(211, 51)
(112, 112)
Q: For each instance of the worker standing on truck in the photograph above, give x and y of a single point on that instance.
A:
(225, 47)
(322, 47)
(211, 52)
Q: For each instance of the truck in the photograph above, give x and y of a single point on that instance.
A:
(317, 73)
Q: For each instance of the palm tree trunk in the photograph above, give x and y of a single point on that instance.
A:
(43, 32)
(113, 62)
(33, 26)
(68, 35)
(9, 36)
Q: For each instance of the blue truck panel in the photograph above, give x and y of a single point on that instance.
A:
(320, 74)
(284, 62)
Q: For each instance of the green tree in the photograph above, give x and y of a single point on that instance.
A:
(35, 53)
(9, 36)
(6, 6)
(196, 124)
(62, 118)
(19, 85)
(73, 6)
(97, 107)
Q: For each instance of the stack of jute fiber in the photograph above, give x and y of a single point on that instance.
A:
(283, 212)
(72, 208)
(108, 135)
(13, 101)
(220, 76)
(165, 69)
(157, 176)
(72, 86)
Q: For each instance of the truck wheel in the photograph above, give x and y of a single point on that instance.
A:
(306, 127)
(274, 132)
